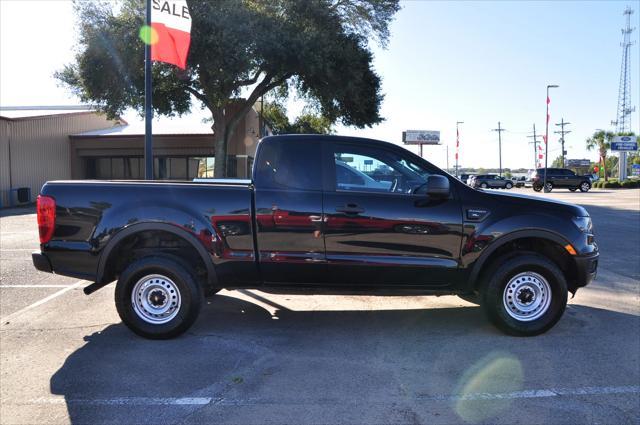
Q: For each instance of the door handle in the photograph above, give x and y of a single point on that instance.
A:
(350, 209)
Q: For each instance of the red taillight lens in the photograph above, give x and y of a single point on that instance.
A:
(46, 208)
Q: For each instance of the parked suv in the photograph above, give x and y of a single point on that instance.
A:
(492, 181)
(560, 177)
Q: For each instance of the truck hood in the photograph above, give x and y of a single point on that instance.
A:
(537, 202)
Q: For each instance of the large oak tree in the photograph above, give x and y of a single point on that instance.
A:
(240, 50)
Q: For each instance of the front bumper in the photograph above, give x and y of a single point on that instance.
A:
(587, 269)
(41, 262)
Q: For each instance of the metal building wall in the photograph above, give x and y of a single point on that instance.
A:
(40, 148)
(4, 159)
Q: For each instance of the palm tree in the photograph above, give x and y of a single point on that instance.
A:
(601, 140)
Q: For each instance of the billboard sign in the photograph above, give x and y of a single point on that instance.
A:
(421, 137)
(624, 144)
(577, 163)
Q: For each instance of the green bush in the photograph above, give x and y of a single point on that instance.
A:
(629, 184)
(612, 184)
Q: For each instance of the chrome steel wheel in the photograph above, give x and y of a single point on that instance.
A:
(156, 299)
(527, 296)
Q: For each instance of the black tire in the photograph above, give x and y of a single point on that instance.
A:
(585, 186)
(508, 186)
(573, 189)
(189, 292)
(493, 294)
(537, 188)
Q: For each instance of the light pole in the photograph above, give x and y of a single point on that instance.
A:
(546, 140)
(457, 143)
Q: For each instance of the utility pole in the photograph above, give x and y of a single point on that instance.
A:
(447, 157)
(535, 147)
(457, 143)
(499, 130)
(562, 132)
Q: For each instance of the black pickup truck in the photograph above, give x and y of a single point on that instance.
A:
(322, 214)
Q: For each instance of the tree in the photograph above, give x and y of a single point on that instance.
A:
(601, 141)
(240, 50)
(307, 123)
(557, 163)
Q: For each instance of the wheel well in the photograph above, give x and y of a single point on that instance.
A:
(154, 242)
(551, 250)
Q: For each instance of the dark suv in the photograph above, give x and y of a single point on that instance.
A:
(492, 181)
(560, 177)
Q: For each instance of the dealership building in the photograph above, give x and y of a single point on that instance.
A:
(62, 142)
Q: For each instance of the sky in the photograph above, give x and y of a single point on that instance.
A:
(476, 62)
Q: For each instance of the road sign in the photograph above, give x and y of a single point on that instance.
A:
(577, 162)
(624, 144)
(368, 162)
(421, 137)
(635, 169)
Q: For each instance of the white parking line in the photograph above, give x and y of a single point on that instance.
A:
(42, 301)
(200, 401)
(35, 286)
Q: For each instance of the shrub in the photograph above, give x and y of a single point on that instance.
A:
(612, 184)
(628, 184)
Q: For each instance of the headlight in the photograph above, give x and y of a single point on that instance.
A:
(583, 223)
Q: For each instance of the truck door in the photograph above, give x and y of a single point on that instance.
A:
(288, 205)
(382, 230)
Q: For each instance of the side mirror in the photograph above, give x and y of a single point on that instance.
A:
(437, 186)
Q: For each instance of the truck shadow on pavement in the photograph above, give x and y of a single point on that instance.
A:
(250, 365)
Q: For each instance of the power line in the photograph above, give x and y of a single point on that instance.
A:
(499, 130)
(562, 132)
(535, 147)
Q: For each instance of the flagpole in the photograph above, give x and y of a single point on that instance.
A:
(546, 141)
(148, 109)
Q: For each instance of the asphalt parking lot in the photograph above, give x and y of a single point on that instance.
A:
(254, 357)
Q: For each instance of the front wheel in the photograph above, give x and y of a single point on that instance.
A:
(484, 185)
(585, 186)
(525, 295)
(548, 187)
(537, 188)
(158, 298)
(508, 185)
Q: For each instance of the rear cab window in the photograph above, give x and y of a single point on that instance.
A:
(289, 164)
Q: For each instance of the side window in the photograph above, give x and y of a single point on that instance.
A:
(289, 164)
(365, 169)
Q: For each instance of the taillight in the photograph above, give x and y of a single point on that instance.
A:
(46, 208)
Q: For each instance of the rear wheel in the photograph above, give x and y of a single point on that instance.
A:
(157, 297)
(585, 186)
(525, 295)
(537, 188)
